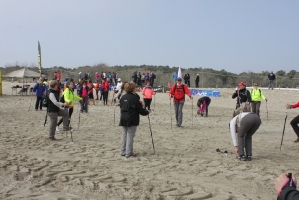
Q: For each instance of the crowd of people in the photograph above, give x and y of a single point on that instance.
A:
(245, 122)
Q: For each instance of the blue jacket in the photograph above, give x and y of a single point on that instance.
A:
(39, 89)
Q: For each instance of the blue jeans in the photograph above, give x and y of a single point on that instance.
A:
(178, 108)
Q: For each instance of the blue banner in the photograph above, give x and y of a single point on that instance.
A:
(209, 93)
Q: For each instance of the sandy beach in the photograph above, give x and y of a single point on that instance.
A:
(185, 166)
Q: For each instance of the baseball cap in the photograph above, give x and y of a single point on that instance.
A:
(242, 84)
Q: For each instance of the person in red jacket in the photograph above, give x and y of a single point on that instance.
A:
(294, 123)
(177, 92)
(105, 86)
(148, 93)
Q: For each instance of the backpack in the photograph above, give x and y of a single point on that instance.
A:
(45, 99)
(259, 91)
(183, 91)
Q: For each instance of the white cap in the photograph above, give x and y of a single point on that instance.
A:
(118, 79)
(197, 74)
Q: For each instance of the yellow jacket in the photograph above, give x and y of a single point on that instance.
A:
(257, 94)
(70, 96)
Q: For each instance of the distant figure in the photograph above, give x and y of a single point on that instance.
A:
(197, 81)
(134, 77)
(39, 90)
(79, 77)
(97, 76)
(203, 104)
(175, 77)
(55, 75)
(12, 80)
(152, 79)
(188, 79)
(139, 79)
(272, 78)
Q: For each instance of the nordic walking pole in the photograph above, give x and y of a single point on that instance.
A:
(170, 113)
(79, 116)
(285, 120)
(192, 110)
(30, 104)
(267, 109)
(154, 101)
(149, 123)
(71, 132)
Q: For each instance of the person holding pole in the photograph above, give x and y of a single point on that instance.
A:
(256, 96)
(39, 90)
(285, 185)
(294, 123)
(130, 111)
(177, 92)
(243, 100)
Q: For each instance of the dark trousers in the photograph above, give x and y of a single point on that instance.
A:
(70, 111)
(102, 96)
(147, 103)
(255, 106)
(248, 126)
(105, 97)
(294, 123)
(38, 102)
(197, 84)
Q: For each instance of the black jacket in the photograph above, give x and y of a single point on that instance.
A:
(130, 108)
(289, 193)
(244, 96)
(271, 76)
(51, 106)
(205, 98)
(197, 79)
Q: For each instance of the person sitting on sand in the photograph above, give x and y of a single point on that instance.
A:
(203, 104)
(55, 109)
(131, 109)
(242, 127)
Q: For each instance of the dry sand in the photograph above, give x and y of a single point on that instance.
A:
(185, 166)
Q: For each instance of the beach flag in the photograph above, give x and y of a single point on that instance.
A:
(180, 73)
(39, 59)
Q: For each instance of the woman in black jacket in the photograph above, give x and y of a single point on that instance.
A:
(130, 108)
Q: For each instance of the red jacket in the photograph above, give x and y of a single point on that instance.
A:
(178, 92)
(105, 86)
(295, 105)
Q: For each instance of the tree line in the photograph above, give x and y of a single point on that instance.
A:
(209, 78)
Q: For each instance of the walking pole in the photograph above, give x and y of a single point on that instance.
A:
(30, 104)
(71, 132)
(154, 101)
(170, 113)
(79, 116)
(283, 128)
(114, 113)
(267, 109)
(192, 110)
(149, 123)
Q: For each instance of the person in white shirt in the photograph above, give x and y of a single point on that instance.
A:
(242, 128)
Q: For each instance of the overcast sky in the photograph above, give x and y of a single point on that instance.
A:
(233, 35)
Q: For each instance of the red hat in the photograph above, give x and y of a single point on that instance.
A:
(242, 84)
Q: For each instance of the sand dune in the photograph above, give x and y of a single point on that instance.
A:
(185, 166)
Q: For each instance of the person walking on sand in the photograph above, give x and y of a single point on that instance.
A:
(243, 100)
(294, 123)
(131, 109)
(177, 92)
(272, 78)
(242, 128)
(83, 92)
(203, 104)
(90, 92)
(39, 90)
(148, 93)
(256, 95)
(197, 81)
(55, 109)
(97, 88)
(70, 98)
(105, 86)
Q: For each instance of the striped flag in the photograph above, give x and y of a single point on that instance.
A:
(39, 59)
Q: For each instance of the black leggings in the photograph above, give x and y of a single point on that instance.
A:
(147, 103)
(70, 114)
(102, 96)
(294, 123)
(38, 103)
(105, 97)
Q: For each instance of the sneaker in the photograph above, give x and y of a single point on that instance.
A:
(67, 128)
(201, 114)
(132, 155)
(57, 129)
(249, 158)
(52, 138)
(241, 157)
(296, 141)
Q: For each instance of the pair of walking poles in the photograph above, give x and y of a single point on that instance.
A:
(171, 114)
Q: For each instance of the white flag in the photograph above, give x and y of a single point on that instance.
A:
(180, 73)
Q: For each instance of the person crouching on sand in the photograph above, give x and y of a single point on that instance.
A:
(55, 109)
(242, 127)
(294, 123)
(130, 108)
(203, 104)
